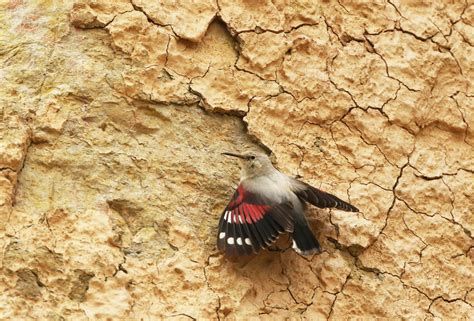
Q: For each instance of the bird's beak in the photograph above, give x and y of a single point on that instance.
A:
(234, 155)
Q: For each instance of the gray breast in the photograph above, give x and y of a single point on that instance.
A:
(275, 186)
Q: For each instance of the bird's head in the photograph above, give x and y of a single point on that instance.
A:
(253, 164)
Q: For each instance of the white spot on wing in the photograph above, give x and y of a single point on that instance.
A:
(240, 219)
(300, 252)
(229, 217)
(295, 247)
(247, 241)
(230, 241)
(221, 235)
(239, 240)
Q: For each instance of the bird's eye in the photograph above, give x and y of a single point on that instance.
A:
(252, 157)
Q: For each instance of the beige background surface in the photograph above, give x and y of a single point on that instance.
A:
(113, 116)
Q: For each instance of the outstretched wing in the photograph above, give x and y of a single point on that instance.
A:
(321, 199)
(251, 222)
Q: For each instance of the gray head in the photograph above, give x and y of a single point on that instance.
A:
(253, 164)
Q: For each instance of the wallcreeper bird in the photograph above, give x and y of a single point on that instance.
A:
(268, 203)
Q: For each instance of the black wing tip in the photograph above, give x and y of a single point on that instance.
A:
(304, 241)
(323, 199)
(312, 251)
(349, 208)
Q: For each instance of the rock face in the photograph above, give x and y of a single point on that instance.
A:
(113, 115)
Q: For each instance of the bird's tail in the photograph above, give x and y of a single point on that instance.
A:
(304, 242)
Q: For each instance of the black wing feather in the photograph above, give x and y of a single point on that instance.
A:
(258, 223)
(322, 199)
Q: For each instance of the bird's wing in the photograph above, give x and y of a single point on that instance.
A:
(251, 222)
(321, 199)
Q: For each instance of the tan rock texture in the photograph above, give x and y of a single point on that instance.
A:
(113, 115)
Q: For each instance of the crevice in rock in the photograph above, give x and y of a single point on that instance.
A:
(396, 9)
(466, 131)
(181, 315)
(337, 294)
(385, 62)
(150, 19)
(204, 270)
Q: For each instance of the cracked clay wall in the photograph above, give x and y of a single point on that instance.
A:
(113, 115)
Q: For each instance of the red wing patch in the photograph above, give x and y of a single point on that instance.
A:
(253, 213)
(249, 223)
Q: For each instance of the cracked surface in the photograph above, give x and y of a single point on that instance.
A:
(113, 116)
